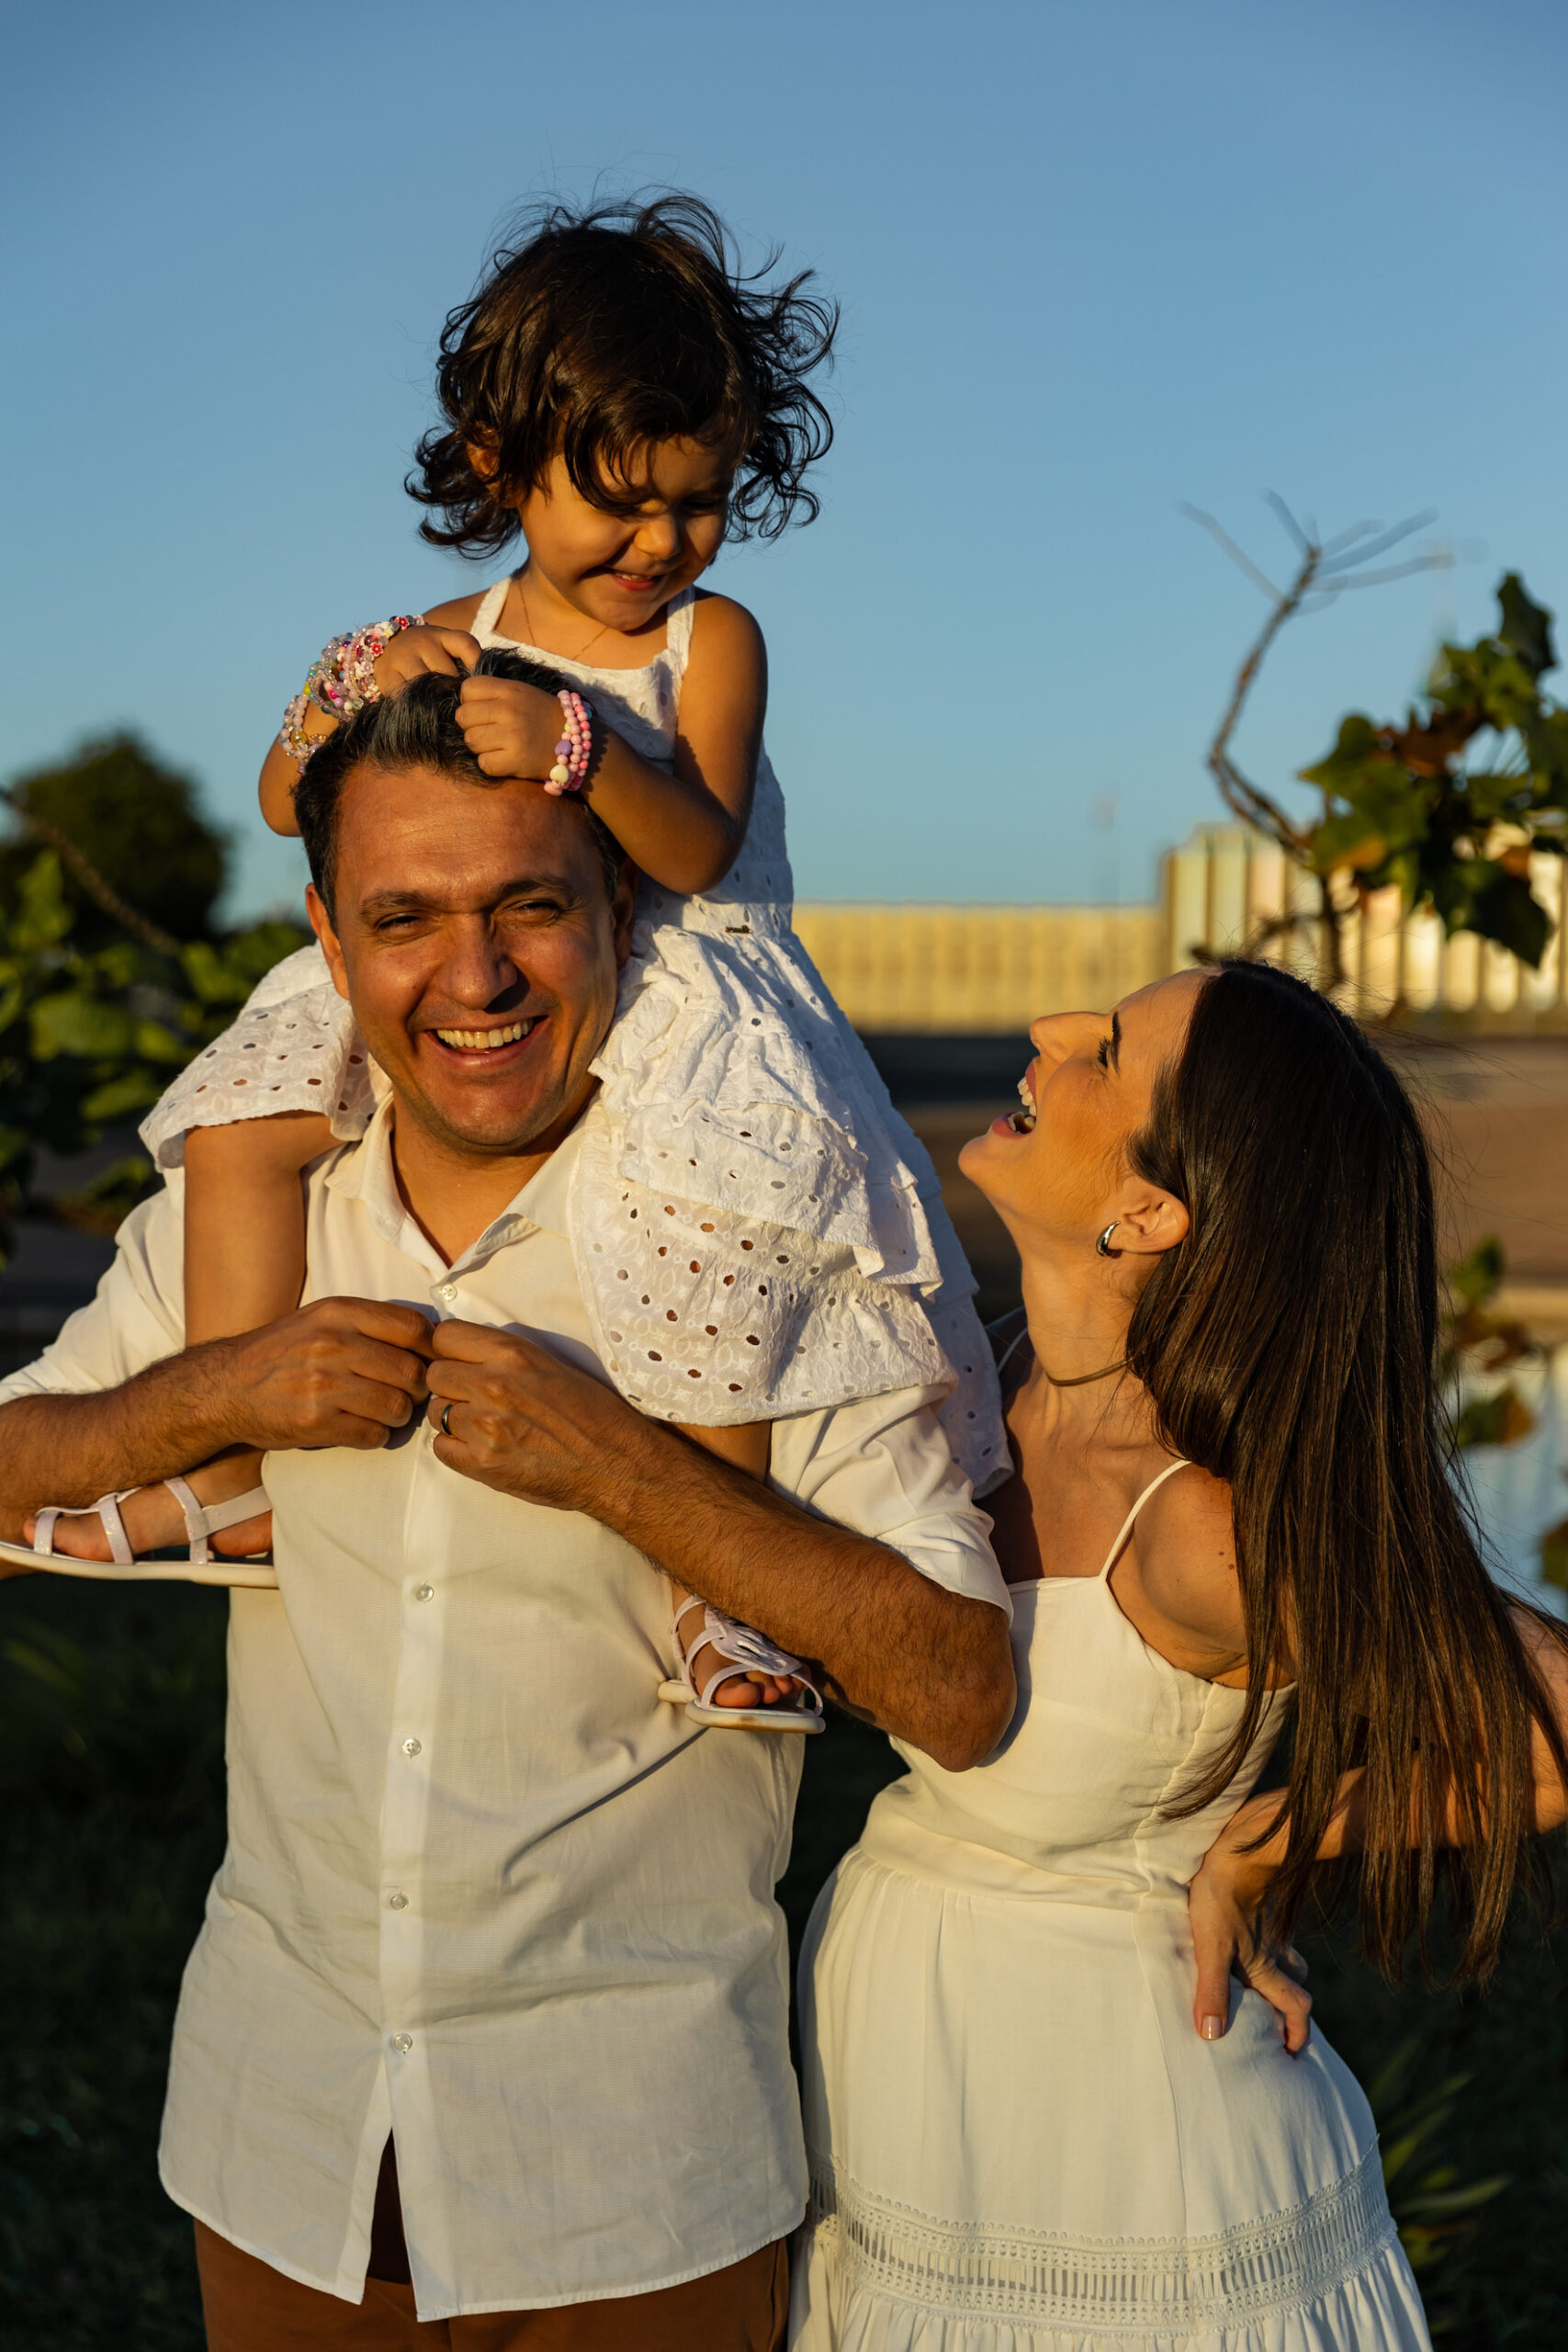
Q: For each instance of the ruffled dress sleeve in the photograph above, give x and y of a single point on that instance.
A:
(295, 1047)
(758, 1232)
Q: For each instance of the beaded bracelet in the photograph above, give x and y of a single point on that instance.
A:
(340, 681)
(574, 753)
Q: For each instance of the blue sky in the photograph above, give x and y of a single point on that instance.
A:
(1095, 260)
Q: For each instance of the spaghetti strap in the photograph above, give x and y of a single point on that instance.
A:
(1116, 1549)
(678, 618)
(489, 612)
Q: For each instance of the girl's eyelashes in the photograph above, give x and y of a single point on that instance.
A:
(1103, 1054)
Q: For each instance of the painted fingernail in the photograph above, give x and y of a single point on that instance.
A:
(1213, 2028)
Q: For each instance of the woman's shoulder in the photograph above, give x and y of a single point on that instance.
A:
(1185, 1546)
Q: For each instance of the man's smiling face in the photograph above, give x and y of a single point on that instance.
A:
(473, 934)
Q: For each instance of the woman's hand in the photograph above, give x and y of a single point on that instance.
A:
(1228, 1906)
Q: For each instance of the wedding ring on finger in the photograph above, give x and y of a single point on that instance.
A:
(445, 1421)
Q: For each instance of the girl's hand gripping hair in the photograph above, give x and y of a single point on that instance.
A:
(449, 652)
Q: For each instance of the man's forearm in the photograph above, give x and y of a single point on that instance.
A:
(932, 1666)
(72, 1449)
(339, 1372)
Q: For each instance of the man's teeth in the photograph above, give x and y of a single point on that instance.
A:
(1022, 1121)
(484, 1041)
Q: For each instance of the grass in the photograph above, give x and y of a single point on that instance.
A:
(111, 1778)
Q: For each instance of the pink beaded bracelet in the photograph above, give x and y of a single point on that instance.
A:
(340, 681)
(574, 753)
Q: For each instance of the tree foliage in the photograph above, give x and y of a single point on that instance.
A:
(1447, 808)
(111, 977)
(1415, 807)
(137, 824)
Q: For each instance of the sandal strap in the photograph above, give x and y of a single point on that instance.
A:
(108, 1509)
(194, 1512)
(744, 1650)
(250, 1505)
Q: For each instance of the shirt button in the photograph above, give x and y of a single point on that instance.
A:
(411, 1746)
(447, 1291)
(403, 2042)
(398, 1902)
(425, 1592)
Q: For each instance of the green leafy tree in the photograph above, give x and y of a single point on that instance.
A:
(136, 823)
(1446, 807)
(101, 1000)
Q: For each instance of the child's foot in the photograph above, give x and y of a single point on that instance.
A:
(706, 1639)
(153, 1521)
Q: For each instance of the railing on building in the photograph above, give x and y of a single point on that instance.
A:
(979, 970)
(1222, 883)
(988, 970)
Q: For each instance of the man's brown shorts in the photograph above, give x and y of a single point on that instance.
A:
(249, 2307)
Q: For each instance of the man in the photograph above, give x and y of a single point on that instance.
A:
(485, 1901)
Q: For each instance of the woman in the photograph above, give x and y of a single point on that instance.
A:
(1029, 2132)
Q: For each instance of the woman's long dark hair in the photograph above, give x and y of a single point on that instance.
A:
(1290, 1346)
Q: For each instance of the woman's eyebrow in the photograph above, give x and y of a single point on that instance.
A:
(1116, 1041)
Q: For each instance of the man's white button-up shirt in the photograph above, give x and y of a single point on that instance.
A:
(481, 1889)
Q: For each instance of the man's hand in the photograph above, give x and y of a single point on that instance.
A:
(1228, 1905)
(341, 1372)
(511, 728)
(931, 1665)
(522, 1420)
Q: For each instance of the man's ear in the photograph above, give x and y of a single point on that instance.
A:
(623, 909)
(1149, 1221)
(331, 948)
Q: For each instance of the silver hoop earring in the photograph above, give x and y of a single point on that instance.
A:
(1102, 1247)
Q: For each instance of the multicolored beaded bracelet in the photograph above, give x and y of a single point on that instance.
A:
(574, 753)
(340, 681)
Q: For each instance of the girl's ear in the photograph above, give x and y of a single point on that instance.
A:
(322, 924)
(1148, 1222)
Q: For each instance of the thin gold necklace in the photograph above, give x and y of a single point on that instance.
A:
(1082, 1379)
(528, 624)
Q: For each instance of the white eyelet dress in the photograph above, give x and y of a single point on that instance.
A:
(1018, 2141)
(757, 1232)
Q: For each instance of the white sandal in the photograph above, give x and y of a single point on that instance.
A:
(738, 1648)
(199, 1565)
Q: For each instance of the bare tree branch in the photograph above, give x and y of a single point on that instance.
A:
(1322, 573)
(1439, 560)
(1344, 539)
(1302, 542)
(1259, 579)
(102, 893)
(1381, 543)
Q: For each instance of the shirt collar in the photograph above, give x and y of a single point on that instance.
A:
(364, 1171)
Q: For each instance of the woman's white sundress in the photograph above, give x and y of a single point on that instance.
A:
(757, 1232)
(1018, 2141)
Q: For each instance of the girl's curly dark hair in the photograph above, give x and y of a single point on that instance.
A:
(596, 332)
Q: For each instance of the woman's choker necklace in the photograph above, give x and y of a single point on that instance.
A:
(1082, 1379)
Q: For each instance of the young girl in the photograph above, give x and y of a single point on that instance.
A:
(758, 1233)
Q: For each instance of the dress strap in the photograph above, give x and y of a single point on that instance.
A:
(678, 616)
(490, 604)
(1155, 1483)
